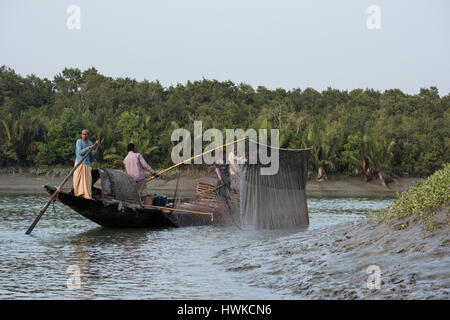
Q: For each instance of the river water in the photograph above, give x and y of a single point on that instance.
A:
(70, 257)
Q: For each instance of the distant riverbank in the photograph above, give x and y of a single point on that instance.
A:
(30, 181)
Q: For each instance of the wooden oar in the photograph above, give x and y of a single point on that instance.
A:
(44, 208)
(194, 157)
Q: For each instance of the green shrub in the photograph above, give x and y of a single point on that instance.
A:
(422, 201)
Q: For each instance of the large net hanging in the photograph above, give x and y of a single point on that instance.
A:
(250, 199)
(276, 201)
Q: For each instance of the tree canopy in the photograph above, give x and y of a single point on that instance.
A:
(353, 132)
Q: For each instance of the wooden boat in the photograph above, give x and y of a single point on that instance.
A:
(118, 204)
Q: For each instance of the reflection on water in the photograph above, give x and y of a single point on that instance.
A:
(79, 264)
(174, 263)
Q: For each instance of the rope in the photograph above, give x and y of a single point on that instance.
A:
(53, 205)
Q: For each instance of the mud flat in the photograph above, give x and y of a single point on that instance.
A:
(339, 185)
(326, 263)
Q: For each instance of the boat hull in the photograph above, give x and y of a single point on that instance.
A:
(117, 214)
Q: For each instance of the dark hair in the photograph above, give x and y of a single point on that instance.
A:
(130, 147)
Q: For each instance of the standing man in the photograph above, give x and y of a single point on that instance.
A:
(223, 173)
(223, 188)
(82, 177)
(134, 165)
(235, 168)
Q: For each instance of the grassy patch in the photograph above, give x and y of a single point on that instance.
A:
(420, 202)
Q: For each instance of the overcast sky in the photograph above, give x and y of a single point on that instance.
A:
(273, 43)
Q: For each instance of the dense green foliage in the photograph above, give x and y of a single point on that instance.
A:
(356, 132)
(422, 201)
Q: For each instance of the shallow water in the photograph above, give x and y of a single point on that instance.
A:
(175, 263)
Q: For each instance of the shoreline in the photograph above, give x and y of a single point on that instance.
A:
(26, 182)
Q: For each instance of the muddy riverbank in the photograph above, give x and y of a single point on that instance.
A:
(345, 261)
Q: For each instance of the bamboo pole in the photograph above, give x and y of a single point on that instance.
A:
(177, 210)
(194, 157)
(47, 204)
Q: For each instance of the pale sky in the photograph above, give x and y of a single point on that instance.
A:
(273, 43)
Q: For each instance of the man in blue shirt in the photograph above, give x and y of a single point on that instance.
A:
(82, 177)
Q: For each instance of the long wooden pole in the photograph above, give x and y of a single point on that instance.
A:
(47, 204)
(177, 210)
(199, 155)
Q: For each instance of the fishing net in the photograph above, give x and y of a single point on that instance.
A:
(276, 201)
(250, 198)
(118, 185)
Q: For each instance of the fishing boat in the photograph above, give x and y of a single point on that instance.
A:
(274, 201)
(118, 204)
